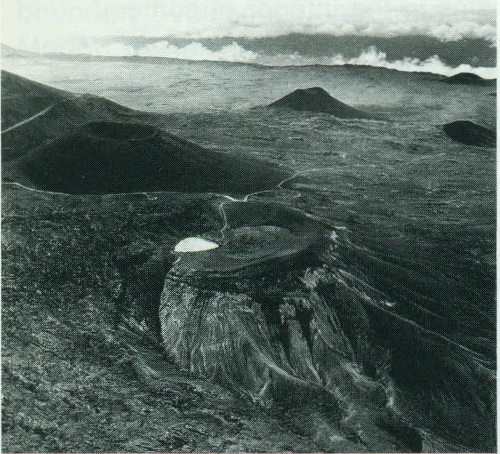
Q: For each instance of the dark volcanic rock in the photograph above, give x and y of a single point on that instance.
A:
(469, 79)
(222, 291)
(470, 133)
(318, 100)
(56, 113)
(252, 316)
(22, 98)
(112, 157)
(272, 314)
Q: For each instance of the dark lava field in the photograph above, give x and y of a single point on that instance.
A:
(347, 303)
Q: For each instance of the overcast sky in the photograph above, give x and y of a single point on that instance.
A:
(35, 23)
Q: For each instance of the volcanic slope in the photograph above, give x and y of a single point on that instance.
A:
(34, 114)
(470, 133)
(107, 148)
(469, 79)
(316, 99)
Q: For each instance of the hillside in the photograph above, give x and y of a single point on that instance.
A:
(469, 79)
(318, 100)
(470, 133)
(59, 146)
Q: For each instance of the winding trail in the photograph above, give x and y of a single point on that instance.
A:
(147, 194)
(41, 113)
(479, 360)
(27, 120)
(228, 198)
(221, 209)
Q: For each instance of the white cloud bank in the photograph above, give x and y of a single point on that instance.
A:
(374, 57)
(236, 53)
(196, 51)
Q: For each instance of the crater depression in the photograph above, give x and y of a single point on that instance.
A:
(108, 157)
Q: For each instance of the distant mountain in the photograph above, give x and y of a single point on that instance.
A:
(469, 79)
(316, 99)
(470, 133)
(7, 51)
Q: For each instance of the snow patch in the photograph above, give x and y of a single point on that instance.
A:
(194, 244)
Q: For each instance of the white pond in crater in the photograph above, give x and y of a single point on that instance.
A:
(194, 244)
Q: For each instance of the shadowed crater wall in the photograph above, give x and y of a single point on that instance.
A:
(114, 157)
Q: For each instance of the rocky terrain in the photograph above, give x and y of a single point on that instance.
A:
(83, 367)
(295, 333)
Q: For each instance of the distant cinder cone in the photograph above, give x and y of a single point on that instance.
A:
(318, 100)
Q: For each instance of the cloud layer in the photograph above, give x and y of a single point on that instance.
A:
(37, 25)
(374, 57)
(236, 53)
